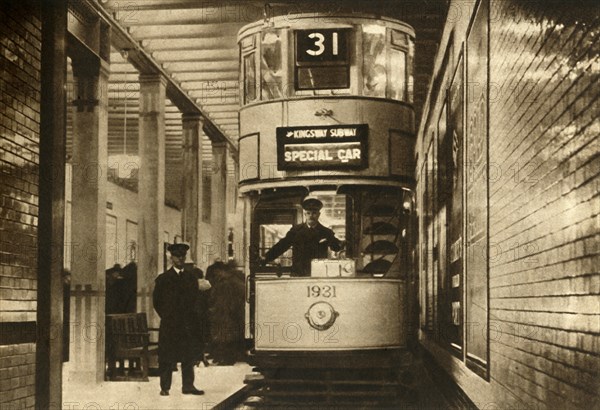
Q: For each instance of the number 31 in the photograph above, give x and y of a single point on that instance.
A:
(319, 39)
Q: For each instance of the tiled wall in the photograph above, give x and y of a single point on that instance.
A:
(20, 53)
(17, 376)
(545, 202)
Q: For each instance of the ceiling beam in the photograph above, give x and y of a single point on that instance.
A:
(120, 115)
(206, 76)
(212, 85)
(120, 76)
(215, 96)
(221, 106)
(123, 68)
(119, 83)
(152, 4)
(224, 13)
(198, 30)
(121, 86)
(223, 122)
(208, 66)
(185, 43)
(196, 55)
(220, 115)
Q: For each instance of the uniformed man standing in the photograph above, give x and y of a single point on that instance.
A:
(174, 298)
(308, 240)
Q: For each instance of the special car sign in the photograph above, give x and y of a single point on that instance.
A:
(322, 147)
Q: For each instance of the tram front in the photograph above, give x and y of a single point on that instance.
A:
(327, 113)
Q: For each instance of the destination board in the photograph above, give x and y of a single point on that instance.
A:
(322, 147)
(322, 46)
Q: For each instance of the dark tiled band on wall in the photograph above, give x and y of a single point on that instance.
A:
(14, 333)
(451, 391)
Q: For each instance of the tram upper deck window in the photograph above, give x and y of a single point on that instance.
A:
(271, 65)
(386, 72)
(249, 67)
(322, 59)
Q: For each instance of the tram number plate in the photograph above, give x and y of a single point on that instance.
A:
(316, 291)
(325, 45)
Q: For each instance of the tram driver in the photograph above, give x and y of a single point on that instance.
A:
(308, 240)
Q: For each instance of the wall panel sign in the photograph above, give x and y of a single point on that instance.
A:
(322, 147)
(476, 184)
(453, 151)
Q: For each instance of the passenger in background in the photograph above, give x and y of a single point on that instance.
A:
(211, 271)
(121, 289)
(114, 280)
(201, 307)
(112, 302)
(128, 299)
(309, 240)
(211, 277)
(66, 313)
(227, 314)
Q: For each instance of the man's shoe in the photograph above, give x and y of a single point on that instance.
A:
(194, 391)
(164, 392)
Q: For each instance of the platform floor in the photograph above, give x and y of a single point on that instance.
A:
(218, 382)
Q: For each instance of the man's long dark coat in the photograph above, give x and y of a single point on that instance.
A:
(174, 297)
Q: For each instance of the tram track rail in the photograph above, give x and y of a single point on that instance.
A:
(326, 389)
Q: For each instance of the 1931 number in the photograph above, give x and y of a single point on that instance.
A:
(316, 291)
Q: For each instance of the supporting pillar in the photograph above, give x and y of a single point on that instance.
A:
(151, 188)
(48, 369)
(89, 185)
(191, 214)
(219, 201)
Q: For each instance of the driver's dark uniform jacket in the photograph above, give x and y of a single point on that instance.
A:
(308, 244)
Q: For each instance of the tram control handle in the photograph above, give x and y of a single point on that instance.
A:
(263, 262)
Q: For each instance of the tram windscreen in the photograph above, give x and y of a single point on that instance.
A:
(270, 234)
(333, 214)
(372, 222)
(275, 224)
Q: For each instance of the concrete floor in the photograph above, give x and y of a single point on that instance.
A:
(218, 382)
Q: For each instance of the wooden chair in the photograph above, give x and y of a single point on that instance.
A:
(128, 341)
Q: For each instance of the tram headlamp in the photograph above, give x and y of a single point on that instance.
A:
(406, 206)
(407, 202)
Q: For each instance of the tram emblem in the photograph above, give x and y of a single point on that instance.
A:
(321, 315)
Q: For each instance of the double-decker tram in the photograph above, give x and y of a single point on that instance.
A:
(327, 113)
